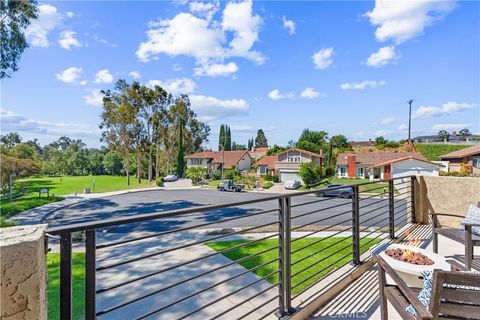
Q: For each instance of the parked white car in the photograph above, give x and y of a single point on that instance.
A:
(170, 178)
(292, 184)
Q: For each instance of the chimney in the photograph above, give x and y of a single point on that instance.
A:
(352, 166)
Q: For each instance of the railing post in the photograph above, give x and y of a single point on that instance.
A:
(412, 199)
(66, 276)
(356, 225)
(281, 249)
(90, 275)
(391, 208)
(288, 255)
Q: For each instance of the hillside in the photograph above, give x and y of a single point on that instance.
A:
(433, 151)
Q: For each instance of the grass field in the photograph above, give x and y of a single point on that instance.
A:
(339, 252)
(78, 283)
(433, 151)
(59, 186)
(379, 186)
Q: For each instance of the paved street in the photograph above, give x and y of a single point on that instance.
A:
(164, 200)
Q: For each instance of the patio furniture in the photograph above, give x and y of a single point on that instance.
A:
(454, 295)
(466, 237)
(412, 273)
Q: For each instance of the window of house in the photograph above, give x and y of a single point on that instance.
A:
(262, 170)
(360, 172)
(293, 159)
(476, 162)
(196, 161)
(343, 171)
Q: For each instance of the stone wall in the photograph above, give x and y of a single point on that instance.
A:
(23, 277)
(446, 195)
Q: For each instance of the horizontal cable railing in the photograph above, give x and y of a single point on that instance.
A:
(279, 253)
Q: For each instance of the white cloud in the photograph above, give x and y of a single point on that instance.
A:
(382, 133)
(289, 25)
(210, 108)
(135, 75)
(95, 98)
(216, 69)
(83, 82)
(276, 95)
(69, 75)
(48, 19)
(175, 86)
(309, 93)
(103, 76)
(451, 126)
(323, 58)
(403, 127)
(207, 41)
(362, 85)
(383, 57)
(12, 121)
(67, 40)
(446, 109)
(387, 120)
(177, 67)
(403, 20)
(204, 9)
(104, 41)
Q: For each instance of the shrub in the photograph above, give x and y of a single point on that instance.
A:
(231, 174)
(464, 170)
(329, 172)
(196, 173)
(159, 181)
(271, 177)
(310, 173)
(267, 184)
(217, 175)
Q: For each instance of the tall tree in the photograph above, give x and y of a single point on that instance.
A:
(15, 17)
(250, 144)
(119, 123)
(180, 153)
(310, 140)
(443, 134)
(464, 133)
(336, 144)
(261, 139)
(221, 138)
(228, 138)
(10, 139)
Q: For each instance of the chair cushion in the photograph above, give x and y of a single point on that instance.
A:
(473, 216)
(426, 293)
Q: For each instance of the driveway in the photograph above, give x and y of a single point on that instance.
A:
(164, 200)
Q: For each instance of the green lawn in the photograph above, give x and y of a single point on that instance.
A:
(349, 181)
(53, 287)
(433, 151)
(59, 186)
(337, 251)
(214, 183)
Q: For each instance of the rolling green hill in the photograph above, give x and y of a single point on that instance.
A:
(433, 151)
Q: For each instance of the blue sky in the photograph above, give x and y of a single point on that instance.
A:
(344, 67)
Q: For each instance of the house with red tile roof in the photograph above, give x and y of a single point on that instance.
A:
(258, 153)
(384, 165)
(214, 160)
(266, 165)
(469, 156)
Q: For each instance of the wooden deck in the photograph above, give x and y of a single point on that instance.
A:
(360, 299)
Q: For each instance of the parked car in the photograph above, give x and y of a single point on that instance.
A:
(228, 185)
(170, 178)
(340, 192)
(292, 184)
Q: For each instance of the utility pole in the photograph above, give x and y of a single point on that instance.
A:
(409, 119)
(223, 160)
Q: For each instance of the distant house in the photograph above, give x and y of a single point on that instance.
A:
(257, 153)
(266, 165)
(289, 162)
(383, 165)
(362, 144)
(213, 160)
(469, 156)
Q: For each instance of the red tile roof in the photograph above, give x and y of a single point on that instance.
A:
(229, 158)
(381, 164)
(268, 161)
(313, 154)
(462, 153)
(262, 149)
(374, 158)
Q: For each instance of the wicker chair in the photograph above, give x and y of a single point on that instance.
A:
(445, 303)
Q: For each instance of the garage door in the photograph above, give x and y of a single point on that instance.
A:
(286, 176)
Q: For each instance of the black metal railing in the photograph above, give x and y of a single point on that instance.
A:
(173, 270)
